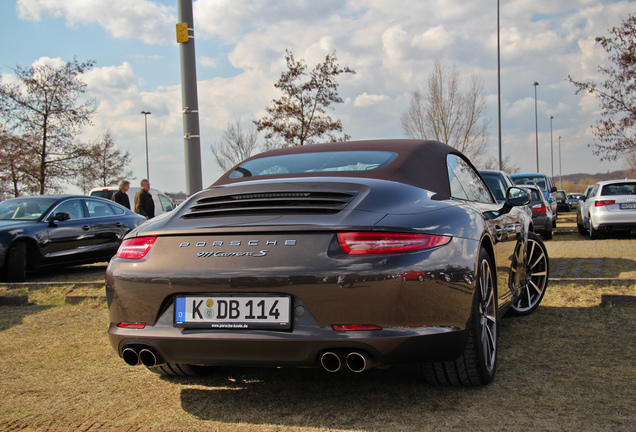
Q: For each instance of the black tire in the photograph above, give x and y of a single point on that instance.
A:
(15, 263)
(581, 229)
(536, 281)
(478, 363)
(547, 235)
(594, 234)
(182, 370)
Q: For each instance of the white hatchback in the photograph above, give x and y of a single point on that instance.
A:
(610, 206)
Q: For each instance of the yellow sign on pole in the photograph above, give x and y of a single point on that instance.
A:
(182, 33)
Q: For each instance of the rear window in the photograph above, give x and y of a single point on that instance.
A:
(103, 193)
(627, 188)
(322, 162)
(540, 182)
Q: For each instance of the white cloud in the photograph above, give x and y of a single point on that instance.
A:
(129, 19)
(365, 100)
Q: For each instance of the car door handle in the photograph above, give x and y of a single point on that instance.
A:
(119, 225)
(86, 227)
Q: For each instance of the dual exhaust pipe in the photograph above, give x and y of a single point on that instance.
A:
(334, 361)
(145, 356)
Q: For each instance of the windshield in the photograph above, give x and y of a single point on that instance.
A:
(24, 208)
(320, 162)
(532, 181)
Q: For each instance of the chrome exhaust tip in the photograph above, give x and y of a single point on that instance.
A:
(147, 358)
(331, 361)
(358, 362)
(130, 356)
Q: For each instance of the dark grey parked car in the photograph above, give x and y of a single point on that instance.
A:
(541, 212)
(342, 256)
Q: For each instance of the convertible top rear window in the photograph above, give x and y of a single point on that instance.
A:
(319, 162)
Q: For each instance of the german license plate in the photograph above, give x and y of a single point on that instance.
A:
(233, 312)
(628, 206)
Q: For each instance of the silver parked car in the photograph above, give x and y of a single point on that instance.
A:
(608, 206)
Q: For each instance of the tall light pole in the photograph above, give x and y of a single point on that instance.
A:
(498, 86)
(560, 173)
(551, 148)
(145, 113)
(536, 127)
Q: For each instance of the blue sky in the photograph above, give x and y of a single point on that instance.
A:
(240, 46)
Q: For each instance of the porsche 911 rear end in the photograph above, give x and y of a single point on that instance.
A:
(233, 279)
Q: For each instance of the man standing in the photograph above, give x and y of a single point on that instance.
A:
(144, 204)
(121, 197)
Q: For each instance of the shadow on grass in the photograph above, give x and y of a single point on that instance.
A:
(11, 316)
(81, 273)
(576, 237)
(571, 366)
(590, 267)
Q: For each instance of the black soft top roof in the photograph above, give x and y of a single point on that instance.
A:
(418, 163)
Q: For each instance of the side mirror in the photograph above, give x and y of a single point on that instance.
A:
(516, 197)
(553, 189)
(61, 216)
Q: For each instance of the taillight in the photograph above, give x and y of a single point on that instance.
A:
(601, 203)
(362, 243)
(135, 248)
(136, 325)
(540, 208)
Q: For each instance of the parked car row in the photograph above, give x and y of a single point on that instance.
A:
(538, 186)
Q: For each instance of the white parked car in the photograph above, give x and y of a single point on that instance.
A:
(163, 204)
(608, 206)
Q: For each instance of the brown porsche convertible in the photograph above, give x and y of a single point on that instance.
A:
(344, 256)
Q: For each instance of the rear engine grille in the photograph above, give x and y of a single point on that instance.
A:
(270, 203)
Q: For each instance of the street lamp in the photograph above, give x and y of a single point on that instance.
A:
(551, 148)
(499, 87)
(145, 113)
(536, 127)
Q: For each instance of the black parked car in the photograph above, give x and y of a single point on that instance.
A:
(343, 255)
(42, 231)
(562, 201)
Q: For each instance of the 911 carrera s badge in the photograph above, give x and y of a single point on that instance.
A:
(260, 253)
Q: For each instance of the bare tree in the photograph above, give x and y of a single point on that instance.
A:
(616, 131)
(300, 117)
(506, 165)
(15, 161)
(102, 163)
(630, 162)
(448, 113)
(44, 109)
(236, 145)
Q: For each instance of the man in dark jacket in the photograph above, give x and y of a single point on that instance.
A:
(144, 204)
(121, 197)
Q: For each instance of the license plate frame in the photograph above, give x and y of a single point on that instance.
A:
(233, 312)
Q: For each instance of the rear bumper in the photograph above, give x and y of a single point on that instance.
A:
(301, 347)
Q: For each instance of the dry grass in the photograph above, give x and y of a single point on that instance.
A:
(570, 366)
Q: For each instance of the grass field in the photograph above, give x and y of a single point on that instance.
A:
(568, 367)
